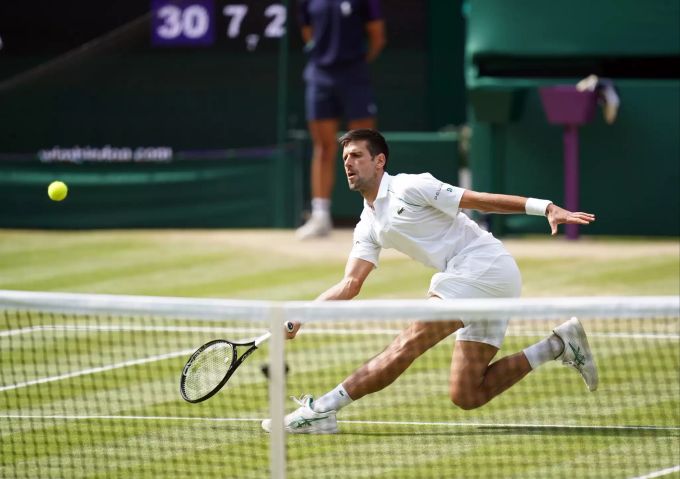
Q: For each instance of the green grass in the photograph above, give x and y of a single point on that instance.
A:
(130, 421)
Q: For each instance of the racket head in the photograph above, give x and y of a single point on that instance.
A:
(207, 370)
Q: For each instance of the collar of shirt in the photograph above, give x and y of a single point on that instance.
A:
(382, 190)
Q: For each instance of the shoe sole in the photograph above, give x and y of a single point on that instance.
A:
(288, 431)
(267, 428)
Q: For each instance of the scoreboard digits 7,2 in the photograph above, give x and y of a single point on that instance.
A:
(248, 26)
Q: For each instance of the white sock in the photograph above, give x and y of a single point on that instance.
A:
(321, 207)
(544, 351)
(333, 400)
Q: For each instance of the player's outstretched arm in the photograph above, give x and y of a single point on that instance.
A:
(557, 216)
(356, 272)
(497, 203)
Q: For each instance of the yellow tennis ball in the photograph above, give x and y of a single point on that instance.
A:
(57, 191)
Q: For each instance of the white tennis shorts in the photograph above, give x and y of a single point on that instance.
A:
(479, 275)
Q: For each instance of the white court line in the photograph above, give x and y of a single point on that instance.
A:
(16, 332)
(208, 329)
(128, 328)
(378, 423)
(662, 472)
(68, 417)
(84, 372)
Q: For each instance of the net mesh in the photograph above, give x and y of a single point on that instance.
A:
(90, 393)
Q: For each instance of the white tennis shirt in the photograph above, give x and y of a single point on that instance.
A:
(419, 216)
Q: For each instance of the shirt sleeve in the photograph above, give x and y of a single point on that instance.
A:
(364, 246)
(426, 189)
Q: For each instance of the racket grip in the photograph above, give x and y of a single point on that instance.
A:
(289, 326)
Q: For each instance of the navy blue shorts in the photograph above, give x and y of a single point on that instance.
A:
(345, 97)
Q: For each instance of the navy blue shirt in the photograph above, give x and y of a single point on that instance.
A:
(338, 30)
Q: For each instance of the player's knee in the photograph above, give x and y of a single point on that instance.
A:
(465, 399)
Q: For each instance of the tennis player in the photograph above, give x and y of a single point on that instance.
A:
(420, 216)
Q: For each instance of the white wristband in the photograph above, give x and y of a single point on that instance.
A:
(536, 207)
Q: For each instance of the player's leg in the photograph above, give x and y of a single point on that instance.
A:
(319, 416)
(386, 367)
(474, 382)
(323, 114)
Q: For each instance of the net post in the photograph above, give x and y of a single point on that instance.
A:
(277, 391)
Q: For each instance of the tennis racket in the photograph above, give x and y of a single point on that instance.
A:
(211, 366)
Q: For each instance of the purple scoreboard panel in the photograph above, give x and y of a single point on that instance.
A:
(186, 22)
(245, 26)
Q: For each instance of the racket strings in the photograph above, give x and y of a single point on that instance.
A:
(207, 370)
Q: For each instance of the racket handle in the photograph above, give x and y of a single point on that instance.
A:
(289, 326)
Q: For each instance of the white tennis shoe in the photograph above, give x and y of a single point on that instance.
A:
(577, 353)
(315, 227)
(305, 420)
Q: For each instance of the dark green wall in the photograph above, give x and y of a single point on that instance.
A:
(539, 27)
(122, 92)
(629, 170)
(260, 191)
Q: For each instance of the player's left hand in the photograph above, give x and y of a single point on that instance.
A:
(557, 216)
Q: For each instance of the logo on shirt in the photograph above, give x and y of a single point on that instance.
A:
(436, 195)
(400, 210)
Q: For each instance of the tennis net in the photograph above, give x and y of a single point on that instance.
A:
(90, 388)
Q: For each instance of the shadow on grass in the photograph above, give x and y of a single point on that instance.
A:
(563, 431)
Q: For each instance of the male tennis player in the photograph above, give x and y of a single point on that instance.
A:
(420, 216)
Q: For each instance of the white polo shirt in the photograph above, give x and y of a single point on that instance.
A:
(419, 216)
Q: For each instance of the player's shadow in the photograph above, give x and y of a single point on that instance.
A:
(562, 431)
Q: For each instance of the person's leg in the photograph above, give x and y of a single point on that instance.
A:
(474, 382)
(325, 148)
(386, 367)
(323, 112)
(319, 416)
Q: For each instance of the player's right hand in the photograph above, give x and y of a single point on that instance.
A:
(291, 333)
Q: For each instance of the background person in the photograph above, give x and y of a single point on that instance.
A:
(341, 38)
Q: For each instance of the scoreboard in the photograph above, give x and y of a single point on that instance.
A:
(54, 27)
(196, 22)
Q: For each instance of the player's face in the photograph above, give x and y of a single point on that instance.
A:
(361, 168)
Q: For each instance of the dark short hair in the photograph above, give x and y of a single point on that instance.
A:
(375, 142)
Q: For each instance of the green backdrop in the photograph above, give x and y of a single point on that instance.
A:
(629, 170)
